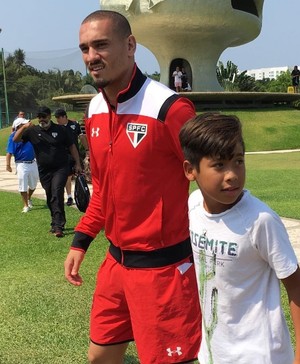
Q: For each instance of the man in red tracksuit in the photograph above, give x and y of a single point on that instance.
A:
(146, 288)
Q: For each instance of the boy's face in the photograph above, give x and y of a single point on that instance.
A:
(221, 181)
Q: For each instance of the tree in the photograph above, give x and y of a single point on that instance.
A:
(281, 83)
(245, 82)
(28, 87)
(155, 76)
(263, 85)
(72, 81)
(19, 58)
(231, 79)
(226, 76)
(16, 63)
(22, 93)
(226, 73)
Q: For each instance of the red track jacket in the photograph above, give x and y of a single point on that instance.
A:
(139, 189)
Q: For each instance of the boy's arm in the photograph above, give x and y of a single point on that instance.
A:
(292, 286)
(8, 160)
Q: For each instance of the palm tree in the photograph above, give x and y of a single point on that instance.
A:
(231, 79)
(227, 73)
(19, 58)
(16, 62)
(72, 80)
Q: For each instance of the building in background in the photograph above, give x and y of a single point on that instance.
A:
(270, 72)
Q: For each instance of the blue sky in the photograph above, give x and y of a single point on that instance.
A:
(48, 33)
(278, 43)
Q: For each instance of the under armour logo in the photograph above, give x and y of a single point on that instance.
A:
(177, 351)
(95, 132)
(54, 135)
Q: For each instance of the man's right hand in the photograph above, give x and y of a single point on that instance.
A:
(19, 132)
(28, 125)
(72, 265)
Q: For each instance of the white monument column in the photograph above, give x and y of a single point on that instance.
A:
(194, 31)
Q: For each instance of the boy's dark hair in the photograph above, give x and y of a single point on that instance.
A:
(210, 135)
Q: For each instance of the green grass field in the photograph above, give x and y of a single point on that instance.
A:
(264, 129)
(270, 129)
(45, 320)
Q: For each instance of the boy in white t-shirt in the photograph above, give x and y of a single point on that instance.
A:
(241, 251)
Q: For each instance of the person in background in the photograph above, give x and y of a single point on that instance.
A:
(146, 288)
(177, 74)
(86, 156)
(184, 80)
(21, 114)
(26, 166)
(74, 128)
(295, 78)
(50, 143)
(241, 250)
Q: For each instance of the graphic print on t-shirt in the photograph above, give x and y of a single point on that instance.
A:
(208, 250)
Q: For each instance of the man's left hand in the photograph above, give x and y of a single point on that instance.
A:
(77, 168)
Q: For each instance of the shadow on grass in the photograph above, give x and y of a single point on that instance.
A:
(69, 231)
(130, 359)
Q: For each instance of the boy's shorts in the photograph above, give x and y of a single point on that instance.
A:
(28, 176)
(157, 307)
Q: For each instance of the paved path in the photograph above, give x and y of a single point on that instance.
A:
(9, 182)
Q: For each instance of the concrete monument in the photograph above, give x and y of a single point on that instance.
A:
(190, 33)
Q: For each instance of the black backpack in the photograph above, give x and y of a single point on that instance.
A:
(81, 193)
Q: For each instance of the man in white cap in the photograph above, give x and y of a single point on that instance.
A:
(26, 166)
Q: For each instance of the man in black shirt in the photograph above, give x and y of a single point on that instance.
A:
(51, 144)
(295, 78)
(74, 128)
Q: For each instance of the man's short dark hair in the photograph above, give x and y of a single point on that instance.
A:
(60, 112)
(120, 23)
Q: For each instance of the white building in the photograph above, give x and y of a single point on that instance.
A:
(271, 72)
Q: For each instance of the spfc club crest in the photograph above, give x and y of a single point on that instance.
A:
(136, 133)
(54, 134)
